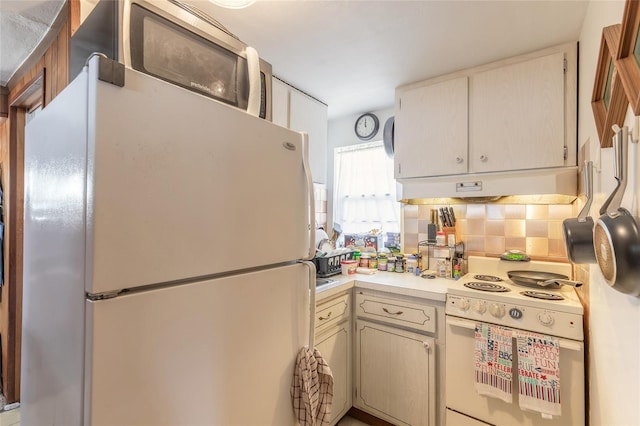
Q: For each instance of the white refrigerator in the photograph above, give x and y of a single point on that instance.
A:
(163, 239)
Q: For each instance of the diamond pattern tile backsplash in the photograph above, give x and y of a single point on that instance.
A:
(491, 229)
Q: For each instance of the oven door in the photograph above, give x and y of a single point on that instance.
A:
(462, 398)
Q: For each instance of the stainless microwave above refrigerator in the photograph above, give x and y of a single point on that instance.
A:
(178, 43)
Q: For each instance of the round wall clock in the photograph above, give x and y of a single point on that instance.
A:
(367, 126)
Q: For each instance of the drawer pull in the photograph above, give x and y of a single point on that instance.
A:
(325, 318)
(392, 313)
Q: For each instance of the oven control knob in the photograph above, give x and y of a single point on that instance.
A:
(545, 318)
(496, 310)
(480, 306)
(463, 304)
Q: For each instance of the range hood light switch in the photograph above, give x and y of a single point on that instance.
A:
(469, 186)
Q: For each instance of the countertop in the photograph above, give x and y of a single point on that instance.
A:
(394, 282)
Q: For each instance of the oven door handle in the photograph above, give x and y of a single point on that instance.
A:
(470, 325)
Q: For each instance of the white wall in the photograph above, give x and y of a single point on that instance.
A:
(614, 317)
(341, 132)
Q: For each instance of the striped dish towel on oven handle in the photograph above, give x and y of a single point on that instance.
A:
(493, 361)
(539, 373)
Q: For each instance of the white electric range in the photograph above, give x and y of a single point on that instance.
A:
(486, 294)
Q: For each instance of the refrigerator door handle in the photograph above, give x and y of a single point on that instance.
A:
(312, 204)
(312, 301)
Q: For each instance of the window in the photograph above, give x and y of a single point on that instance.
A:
(365, 190)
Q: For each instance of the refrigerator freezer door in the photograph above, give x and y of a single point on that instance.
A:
(175, 185)
(217, 352)
(184, 186)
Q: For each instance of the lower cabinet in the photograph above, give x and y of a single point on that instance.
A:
(335, 347)
(333, 339)
(395, 374)
(390, 373)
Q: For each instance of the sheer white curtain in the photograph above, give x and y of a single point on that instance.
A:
(365, 190)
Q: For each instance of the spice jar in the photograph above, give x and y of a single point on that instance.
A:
(382, 262)
(373, 262)
(440, 240)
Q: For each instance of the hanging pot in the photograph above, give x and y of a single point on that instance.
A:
(541, 279)
(616, 235)
(578, 232)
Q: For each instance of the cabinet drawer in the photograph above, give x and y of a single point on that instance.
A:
(394, 311)
(332, 311)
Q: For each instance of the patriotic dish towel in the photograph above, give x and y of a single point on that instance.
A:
(493, 361)
(539, 373)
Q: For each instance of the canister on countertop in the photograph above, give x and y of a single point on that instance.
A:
(364, 260)
(348, 267)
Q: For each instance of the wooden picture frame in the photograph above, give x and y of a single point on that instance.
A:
(609, 101)
(628, 57)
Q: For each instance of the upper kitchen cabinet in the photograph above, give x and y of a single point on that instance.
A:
(295, 110)
(432, 120)
(515, 114)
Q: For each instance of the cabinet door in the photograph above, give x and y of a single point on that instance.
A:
(280, 103)
(335, 347)
(517, 116)
(395, 377)
(430, 133)
(308, 115)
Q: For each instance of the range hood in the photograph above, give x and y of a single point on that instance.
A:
(536, 186)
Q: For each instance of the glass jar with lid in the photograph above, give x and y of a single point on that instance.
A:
(391, 265)
(382, 262)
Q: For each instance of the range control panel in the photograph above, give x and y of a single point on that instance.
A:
(546, 321)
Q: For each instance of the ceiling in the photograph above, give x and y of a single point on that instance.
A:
(352, 54)
(23, 25)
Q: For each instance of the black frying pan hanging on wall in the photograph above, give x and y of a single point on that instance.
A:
(616, 236)
(578, 232)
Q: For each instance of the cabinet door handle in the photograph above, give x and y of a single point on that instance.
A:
(483, 158)
(426, 345)
(325, 318)
(459, 160)
(392, 313)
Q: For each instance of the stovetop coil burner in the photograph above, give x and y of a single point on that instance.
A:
(491, 278)
(542, 295)
(484, 286)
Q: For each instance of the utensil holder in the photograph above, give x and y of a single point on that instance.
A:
(449, 230)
